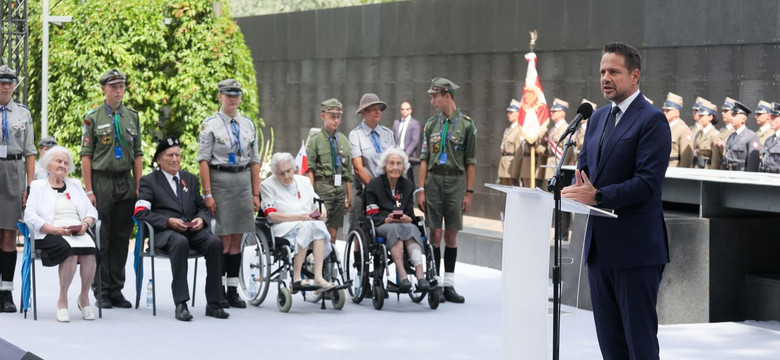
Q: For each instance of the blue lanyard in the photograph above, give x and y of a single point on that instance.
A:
(446, 136)
(5, 124)
(334, 149)
(233, 143)
(374, 140)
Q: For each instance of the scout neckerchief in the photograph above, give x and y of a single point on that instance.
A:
(445, 135)
(234, 143)
(334, 151)
(117, 128)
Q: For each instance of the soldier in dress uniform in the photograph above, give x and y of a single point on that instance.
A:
(706, 153)
(695, 114)
(579, 138)
(743, 145)
(508, 165)
(727, 128)
(763, 115)
(330, 166)
(770, 154)
(17, 171)
(681, 154)
(533, 142)
(557, 128)
(44, 144)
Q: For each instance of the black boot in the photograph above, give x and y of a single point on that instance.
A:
(452, 296)
(7, 302)
(233, 299)
(224, 303)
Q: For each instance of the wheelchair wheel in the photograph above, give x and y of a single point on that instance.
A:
(433, 299)
(338, 299)
(284, 299)
(379, 297)
(254, 277)
(356, 269)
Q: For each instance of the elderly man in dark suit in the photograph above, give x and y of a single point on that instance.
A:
(622, 167)
(169, 199)
(406, 132)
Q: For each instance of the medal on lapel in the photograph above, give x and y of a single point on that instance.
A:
(184, 186)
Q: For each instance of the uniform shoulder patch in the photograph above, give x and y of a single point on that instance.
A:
(86, 122)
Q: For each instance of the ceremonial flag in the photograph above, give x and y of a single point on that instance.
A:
(534, 112)
(301, 161)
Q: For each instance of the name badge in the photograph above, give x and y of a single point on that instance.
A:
(337, 180)
(118, 152)
(232, 158)
(443, 158)
(3, 151)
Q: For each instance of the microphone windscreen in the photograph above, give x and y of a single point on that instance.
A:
(586, 110)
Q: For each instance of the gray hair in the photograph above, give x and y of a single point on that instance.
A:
(49, 156)
(279, 158)
(394, 151)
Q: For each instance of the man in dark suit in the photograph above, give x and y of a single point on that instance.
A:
(170, 200)
(622, 166)
(406, 132)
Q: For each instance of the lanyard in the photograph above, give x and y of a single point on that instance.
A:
(233, 143)
(117, 128)
(334, 151)
(374, 140)
(445, 133)
(5, 125)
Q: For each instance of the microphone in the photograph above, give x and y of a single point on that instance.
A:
(583, 113)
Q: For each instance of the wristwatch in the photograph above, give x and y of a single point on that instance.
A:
(598, 197)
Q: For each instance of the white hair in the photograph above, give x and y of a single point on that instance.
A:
(393, 151)
(49, 156)
(279, 158)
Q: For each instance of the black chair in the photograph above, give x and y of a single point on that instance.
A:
(152, 252)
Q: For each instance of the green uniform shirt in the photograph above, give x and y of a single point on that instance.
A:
(320, 156)
(460, 144)
(100, 139)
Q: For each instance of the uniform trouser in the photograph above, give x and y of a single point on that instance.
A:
(357, 207)
(178, 248)
(115, 194)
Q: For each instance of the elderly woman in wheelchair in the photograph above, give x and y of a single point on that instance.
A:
(288, 203)
(390, 206)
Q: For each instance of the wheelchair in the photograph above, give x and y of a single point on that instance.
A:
(266, 259)
(371, 262)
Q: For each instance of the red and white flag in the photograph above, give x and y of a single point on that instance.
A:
(534, 112)
(300, 160)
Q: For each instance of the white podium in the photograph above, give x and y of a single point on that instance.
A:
(525, 263)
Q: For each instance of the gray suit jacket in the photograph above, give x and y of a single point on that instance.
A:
(412, 139)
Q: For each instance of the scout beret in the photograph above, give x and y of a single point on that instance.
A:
(229, 87)
(332, 106)
(113, 76)
(441, 84)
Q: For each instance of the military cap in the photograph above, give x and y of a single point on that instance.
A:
(7, 75)
(584, 100)
(514, 105)
(166, 144)
(763, 107)
(331, 106)
(47, 141)
(728, 104)
(673, 101)
(559, 105)
(775, 109)
(229, 87)
(707, 108)
(440, 84)
(740, 108)
(647, 99)
(697, 103)
(369, 99)
(113, 76)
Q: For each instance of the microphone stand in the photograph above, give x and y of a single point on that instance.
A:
(555, 184)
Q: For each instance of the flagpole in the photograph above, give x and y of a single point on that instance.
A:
(534, 36)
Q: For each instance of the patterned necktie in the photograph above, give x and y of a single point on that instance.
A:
(375, 140)
(610, 126)
(236, 134)
(5, 124)
(178, 188)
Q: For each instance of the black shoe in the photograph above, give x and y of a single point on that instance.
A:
(182, 313)
(423, 285)
(104, 302)
(441, 294)
(215, 310)
(224, 304)
(7, 302)
(404, 285)
(233, 299)
(452, 296)
(120, 302)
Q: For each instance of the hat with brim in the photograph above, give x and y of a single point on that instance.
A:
(47, 141)
(369, 99)
(775, 109)
(7, 75)
(559, 105)
(229, 87)
(514, 106)
(331, 106)
(707, 108)
(763, 108)
(113, 76)
(728, 104)
(440, 84)
(740, 108)
(673, 102)
(166, 144)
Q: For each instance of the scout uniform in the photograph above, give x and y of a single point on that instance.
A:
(555, 150)
(742, 146)
(17, 144)
(111, 139)
(766, 129)
(508, 165)
(706, 153)
(331, 164)
(681, 154)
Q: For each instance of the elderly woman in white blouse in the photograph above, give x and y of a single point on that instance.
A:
(59, 213)
(288, 202)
